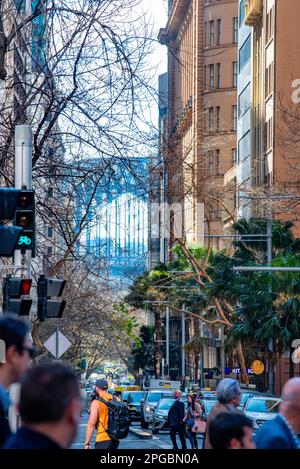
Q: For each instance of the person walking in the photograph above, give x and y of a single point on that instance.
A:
(191, 418)
(282, 431)
(17, 353)
(99, 419)
(229, 396)
(50, 405)
(231, 431)
(175, 419)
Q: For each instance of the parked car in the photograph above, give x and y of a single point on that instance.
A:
(262, 408)
(160, 414)
(248, 393)
(134, 404)
(207, 405)
(149, 404)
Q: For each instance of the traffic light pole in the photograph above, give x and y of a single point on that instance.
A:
(23, 180)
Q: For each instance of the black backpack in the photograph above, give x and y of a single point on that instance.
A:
(118, 419)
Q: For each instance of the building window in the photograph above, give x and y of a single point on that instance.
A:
(269, 134)
(270, 25)
(235, 30)
(219, 32)
(212, 33)
(218, 75)
(242, 12)
(50, 231)
(211, 118)
(211, 162)
(269, 82)
(234, 117)
(205, 34)
(211, 76)
(244, 101)
(218, 118)
(205, 77)
(234, 156)
(245, 53)
(50, 192)
(244, 147)
(49, 250)
(218, 163)
(235, 74)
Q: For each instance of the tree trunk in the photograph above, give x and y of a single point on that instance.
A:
(158, 343)
(241, 360)
(197, 360)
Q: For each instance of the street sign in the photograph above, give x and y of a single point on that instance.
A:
(57, 344)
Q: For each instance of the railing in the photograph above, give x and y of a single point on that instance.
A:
(253, 12)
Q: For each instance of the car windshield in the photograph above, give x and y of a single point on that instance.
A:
(244, 398)
(263, 405)
(124, 395)
(165, 404)
(154, 397)
(135, 397)
(209, 404)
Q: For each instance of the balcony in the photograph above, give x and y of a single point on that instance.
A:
(253, 12)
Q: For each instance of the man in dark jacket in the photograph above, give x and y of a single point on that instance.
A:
(49, 407)
(16, 352)
(175, 418)
(282, 431)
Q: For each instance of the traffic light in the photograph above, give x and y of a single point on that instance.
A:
(17, 205)
(47, 289)
(15, 289)
(166, 370)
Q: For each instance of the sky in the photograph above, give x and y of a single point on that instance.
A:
(158, 10)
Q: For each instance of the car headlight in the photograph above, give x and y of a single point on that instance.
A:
(148, 408)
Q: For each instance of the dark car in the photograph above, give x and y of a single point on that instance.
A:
(134, 404)
(160, 415)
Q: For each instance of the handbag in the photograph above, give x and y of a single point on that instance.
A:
(190, 423)
(199, 427)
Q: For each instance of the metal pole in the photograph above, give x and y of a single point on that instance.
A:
(222, 353)
(263, 268)
(183, 342)
(23, 179)
(56, 343)
(168, 337)
(271, 341)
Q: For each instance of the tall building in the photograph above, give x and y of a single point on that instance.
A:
(157, 183)
(201, 37)
(268, 148)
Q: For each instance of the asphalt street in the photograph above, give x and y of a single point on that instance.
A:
(160, 441)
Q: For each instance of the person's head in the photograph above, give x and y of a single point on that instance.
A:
(231, 430)
(14, 333)
(177, 394)
(101, 385)
(229, 392)
(290, 405)
(191, 400)
(50, 401)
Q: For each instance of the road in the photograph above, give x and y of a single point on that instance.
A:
(160, 441)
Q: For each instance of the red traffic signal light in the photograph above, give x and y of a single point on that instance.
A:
(14, 288)
(25, 286)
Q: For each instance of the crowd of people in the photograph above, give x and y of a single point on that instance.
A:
(50, 406)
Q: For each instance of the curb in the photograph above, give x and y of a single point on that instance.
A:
(140, 433)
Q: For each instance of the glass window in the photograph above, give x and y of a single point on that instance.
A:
(235, 30)
(244, 147)
(263, 405)
(234, 117)
(242, 12)
(218, 118)
(50, 231)
(211, 162)
(219, 32)
(165, 404)
(218, 75)
(218, 162)
(235, 74)
(211, 76)
(244, 101)
(212, 33)
(245, 53)
(211, 118)
(234, 155)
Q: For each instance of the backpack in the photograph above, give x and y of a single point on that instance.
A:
(118, 419)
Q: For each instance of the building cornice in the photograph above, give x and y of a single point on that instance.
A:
(176, 17)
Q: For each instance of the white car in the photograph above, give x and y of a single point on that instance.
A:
(261, 409)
